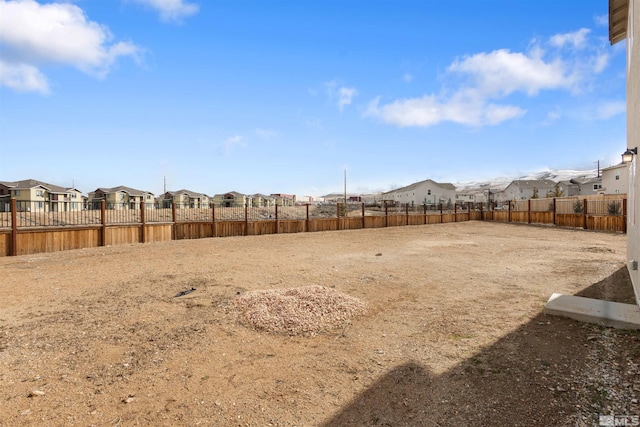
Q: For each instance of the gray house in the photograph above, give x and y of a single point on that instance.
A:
(418, 193)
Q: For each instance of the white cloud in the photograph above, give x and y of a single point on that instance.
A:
(463, 108)
(601, 20)
(345, 95)
(342, 95)
(576, 39)
(23, 78)
(610, 109)
(33, 35)
(171, 10)
(474, 83)
(265, 133)
(504, 72)
(230, 143)
(407, 77)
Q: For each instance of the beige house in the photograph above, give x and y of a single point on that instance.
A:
(284, 199)
(121, 197)
(262, 201)
(615, 179)
(232, 199)
(423, 192)
(184, 199)
(624, 23)
(36, 196)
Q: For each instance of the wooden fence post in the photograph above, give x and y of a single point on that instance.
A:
(143, 219)
(362, 214)
(481, 212)
(554, 212)
(509, 214)
(624, 215)
(584, 214)
(277, 225)
(386, 214)
(406, 214)
(424, 211)
(440, 213)
(103, 221)
(246, 219)
(455, 212)
(529, 212)
(307, 223)
(213, 220)
(174, 227)
(14, 227)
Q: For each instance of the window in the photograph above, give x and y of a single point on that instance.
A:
(617, 177)
(16, 192)
(597, 187)
(73, 195)
(428, 192)
(39, 193)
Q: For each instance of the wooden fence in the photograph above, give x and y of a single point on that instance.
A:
(24, 240)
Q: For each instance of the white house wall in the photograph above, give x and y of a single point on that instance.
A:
(633, 140)
(615, 180)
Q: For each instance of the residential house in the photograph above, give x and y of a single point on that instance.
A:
(335, 197)
(587, 186)
(284, 199)
(262, 201)
(33, 195)
(615, 179)
(184, 199)
(121, 197)
(464, 197)
(524, 189)
(624, 23)
(418, 193)
(232, 199)
(570, 187)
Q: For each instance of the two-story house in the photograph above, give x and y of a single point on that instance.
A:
(524, 189)
(232, 199)
(121, 197)
(184, 199)
(37, 196)
(422, 192)
(615, 179)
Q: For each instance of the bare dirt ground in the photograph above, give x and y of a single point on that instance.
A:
(454, 334)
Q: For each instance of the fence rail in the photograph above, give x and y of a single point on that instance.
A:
(29, 228)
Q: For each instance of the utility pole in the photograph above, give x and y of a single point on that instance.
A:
(598, 162)
(345, 186)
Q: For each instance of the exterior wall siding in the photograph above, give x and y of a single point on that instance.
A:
(633, 140)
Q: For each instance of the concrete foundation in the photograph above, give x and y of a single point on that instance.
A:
(606, 313)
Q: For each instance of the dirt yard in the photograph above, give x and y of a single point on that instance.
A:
(453, 335)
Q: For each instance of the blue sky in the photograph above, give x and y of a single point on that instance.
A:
(284, 96)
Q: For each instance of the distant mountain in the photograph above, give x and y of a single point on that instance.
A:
(502, 182)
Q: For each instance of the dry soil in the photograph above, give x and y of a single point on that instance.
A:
(454, 334)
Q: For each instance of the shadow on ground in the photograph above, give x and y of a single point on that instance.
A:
(537, 375)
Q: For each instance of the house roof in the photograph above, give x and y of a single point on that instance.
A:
(618, 166)
(618, 20)
(446, 186)
(586, 180)
(128, 190)
(528, 184)
(234, 193)
(187, 192)
(31, 183)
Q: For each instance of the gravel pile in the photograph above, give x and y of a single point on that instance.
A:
(294, 311)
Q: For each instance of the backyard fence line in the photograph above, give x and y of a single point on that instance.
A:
(26, 229)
